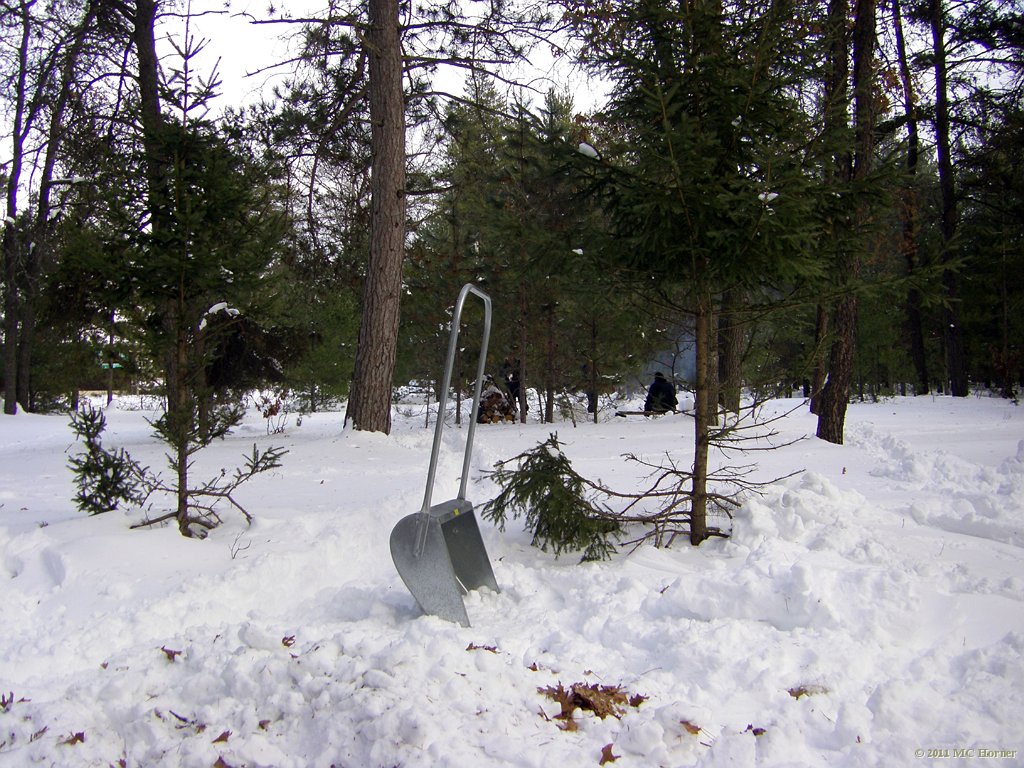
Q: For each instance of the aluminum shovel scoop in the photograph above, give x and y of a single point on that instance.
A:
(438, 551)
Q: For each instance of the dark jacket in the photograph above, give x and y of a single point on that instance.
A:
(661, 396)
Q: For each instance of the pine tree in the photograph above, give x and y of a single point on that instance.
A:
(706, 190)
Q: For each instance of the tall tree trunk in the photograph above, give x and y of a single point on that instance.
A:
(730, 353)
(702, 421)
(837, 102)
(37, 257)
(12, 242)
(182, 418)
(909, 209)
(820, 370)
(521, 359)
(369, 404)
(549, 367)
(12, 308)
(1008, 358)
(836, 394)
(592, 394)
(713, 382)
(956, 369)
(158, 174)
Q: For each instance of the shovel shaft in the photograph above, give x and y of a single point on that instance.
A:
(453, 341)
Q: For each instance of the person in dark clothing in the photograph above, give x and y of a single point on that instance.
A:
(510, 373)
(661, 396)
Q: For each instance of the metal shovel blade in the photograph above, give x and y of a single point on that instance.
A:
(438, 551)
(440, 555)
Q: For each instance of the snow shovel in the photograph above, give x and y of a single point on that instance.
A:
(438, 551)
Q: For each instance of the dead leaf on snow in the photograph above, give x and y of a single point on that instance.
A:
(602, 700)
(807, 690)
(691, 728)
(607, 756)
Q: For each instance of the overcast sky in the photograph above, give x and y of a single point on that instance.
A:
(245, 48)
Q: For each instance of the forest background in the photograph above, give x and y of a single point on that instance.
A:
(768, 195)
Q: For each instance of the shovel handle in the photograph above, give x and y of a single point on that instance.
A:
(453, 341)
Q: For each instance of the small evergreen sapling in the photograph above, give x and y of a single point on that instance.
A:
(541, 485)
(105, 479)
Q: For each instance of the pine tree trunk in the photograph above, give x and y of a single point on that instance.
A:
(713, 382)
(1006, 354)
(909, 209)
(12, 245)
(523, 402)
(730, 353)
(182, 418)
(369, 404)
(836, 124)
(38, 257)
(158, 172)
(955, 362)
(820, 371)
(12, 256)
(27, 331)
(549, 368)
(702, 412)
(836, 394)
(592, 395)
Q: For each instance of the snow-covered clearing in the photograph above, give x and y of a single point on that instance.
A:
(866, 612)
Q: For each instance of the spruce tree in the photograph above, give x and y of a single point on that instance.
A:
(708, 188)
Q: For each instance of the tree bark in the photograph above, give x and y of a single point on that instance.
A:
(12, 246)
(955, 362)
(549, 366)
(38, 258)
(730, 353)
(369, 404)
(837, 101)
(521, 359)
(820, 370)
(158, 173)
(909, 209)
(836, 394)
(702, 422)
(713, 382)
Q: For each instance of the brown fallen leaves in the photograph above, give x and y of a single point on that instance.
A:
(602, 700)
(807, 690)
(690, 727)
(607, 756)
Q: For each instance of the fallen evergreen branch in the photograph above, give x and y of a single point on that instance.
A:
(541, 485)
(105, 479)
(566, 511)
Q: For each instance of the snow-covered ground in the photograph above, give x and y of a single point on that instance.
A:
(867, 611)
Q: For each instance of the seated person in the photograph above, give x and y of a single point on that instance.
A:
(661, 396)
